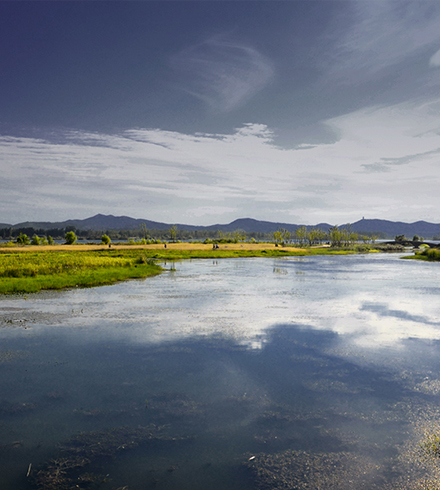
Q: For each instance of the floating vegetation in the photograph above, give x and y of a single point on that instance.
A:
(301, 470)
(72, 467)
(431, 445)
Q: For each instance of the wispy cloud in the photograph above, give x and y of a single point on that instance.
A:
(222, 72)
(384, 34)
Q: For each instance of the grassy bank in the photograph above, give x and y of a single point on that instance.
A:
(29, 272)
(31, 269)
(429, 254)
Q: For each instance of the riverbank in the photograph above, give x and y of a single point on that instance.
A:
(28, 269)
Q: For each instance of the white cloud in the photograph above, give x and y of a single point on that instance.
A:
(385, 164)
(383, 34)
(221, 72)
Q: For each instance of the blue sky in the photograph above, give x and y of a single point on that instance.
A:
(204, 112)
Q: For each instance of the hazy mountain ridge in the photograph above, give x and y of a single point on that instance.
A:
(109, 222)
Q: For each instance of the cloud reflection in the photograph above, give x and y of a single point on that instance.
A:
(371, 301)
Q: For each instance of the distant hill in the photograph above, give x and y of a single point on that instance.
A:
(98, 222)
(102, 222)
(252, 225)
(393, 228)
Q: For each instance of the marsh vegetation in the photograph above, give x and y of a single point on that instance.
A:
(27, 272)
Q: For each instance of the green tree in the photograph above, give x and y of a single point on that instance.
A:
(35, 240)
(23, 239)
(238, 236)
(301, 235)
(315, 235)
(50, 240)
(335, 236)
(281, 237)
(400, 238)
(173, 233)
(105, 239)
(70, 238)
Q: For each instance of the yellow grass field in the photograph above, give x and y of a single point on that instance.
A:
(160, 246)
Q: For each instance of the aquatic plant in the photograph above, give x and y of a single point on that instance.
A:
(431, 445)
(72, 467)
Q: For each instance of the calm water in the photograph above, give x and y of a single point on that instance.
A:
(319, 372)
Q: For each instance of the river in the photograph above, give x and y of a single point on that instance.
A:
(301, 372)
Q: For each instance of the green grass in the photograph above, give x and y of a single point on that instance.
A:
(28, 272)
(428, 254)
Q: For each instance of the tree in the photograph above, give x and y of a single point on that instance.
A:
(315, 235)
(70, 238)
(335, 236)
(400, 238)
(301, 235)
(35, 240)
(50, 240)
(173, 233)
(23, 239)
(105, 239)
(238, 236)
(144, 230)
(281, 236)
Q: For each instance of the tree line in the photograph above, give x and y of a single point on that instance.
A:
(335, 236)
(302, 236)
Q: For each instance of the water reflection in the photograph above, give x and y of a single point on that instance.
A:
(225, 375)
(374, 299)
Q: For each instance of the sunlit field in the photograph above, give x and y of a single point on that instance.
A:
(31, 271)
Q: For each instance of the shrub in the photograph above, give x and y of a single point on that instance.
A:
(35, 240)
(70, 238)
(23, 239)
(432, 253)
(141, 260)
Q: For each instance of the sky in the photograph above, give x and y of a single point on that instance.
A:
(203, 112)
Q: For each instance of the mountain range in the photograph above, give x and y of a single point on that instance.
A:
(102, 222)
